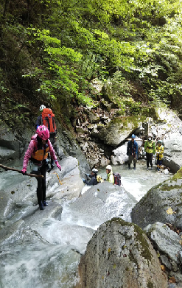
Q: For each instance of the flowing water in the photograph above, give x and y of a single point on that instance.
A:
(44, 251)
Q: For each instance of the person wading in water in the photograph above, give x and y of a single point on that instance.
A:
(132, 151)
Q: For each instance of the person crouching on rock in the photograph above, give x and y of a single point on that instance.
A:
(37, 152)
(110, 177)
(93, 176)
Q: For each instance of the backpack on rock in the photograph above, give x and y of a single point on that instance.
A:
(117, 179)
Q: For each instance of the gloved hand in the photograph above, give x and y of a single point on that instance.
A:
(24, 171)
(57, 164)
(83, 180)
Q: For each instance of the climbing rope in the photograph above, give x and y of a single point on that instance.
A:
(58, 178)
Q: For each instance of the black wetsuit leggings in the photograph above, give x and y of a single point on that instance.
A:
(41, 184)
(149, 159)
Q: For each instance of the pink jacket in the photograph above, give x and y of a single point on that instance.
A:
(31, 148)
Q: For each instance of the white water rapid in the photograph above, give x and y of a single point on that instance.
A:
(44, 251)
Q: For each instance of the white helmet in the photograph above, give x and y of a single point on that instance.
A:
(42, 108)
(108, 167)
(94, 170)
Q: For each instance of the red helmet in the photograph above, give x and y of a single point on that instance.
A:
(43, 132)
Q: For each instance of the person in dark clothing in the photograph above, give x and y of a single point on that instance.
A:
(93, 176)
(39, 118)
(132, 151)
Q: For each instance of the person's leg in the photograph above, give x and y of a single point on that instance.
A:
(148, 157)
(43, 173)
(130, 160)
(134, 162)
(37, 170)
(158, 165)
(151, 156)
(40, 193)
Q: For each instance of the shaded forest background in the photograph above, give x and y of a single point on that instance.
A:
(51, 51)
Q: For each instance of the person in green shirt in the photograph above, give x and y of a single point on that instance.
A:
(149, 148)
(110, 177)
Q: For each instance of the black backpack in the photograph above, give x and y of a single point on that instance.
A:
(117, 179)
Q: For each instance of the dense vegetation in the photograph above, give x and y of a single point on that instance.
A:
(51, 50)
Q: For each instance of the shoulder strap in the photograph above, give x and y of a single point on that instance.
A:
(34, 138)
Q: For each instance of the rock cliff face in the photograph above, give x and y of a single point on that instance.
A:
(103, 135)
(100, 137)
(120, 255)
(99, 131)
(14, 143)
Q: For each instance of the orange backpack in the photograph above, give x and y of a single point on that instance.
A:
(48, 119)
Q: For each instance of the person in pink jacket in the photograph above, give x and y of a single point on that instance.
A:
(37, 152)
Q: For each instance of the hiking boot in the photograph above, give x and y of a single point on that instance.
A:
(41, 206)
(45, 203)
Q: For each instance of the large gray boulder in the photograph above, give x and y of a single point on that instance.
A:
(162, 203)
(171, 164)
(120, 255)
(117, 130)
(167, 242)
(102, 202)
(11, 143)
(119, 155)
(172, 153)
(20, 199)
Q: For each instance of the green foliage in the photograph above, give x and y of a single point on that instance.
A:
(58, 76)
(51, 50)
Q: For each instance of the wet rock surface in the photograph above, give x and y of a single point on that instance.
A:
(120, 255)
(167, 242)
(162, 203)
(22, 223)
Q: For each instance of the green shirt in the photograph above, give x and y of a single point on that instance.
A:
(110, 178)
(149, 146)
